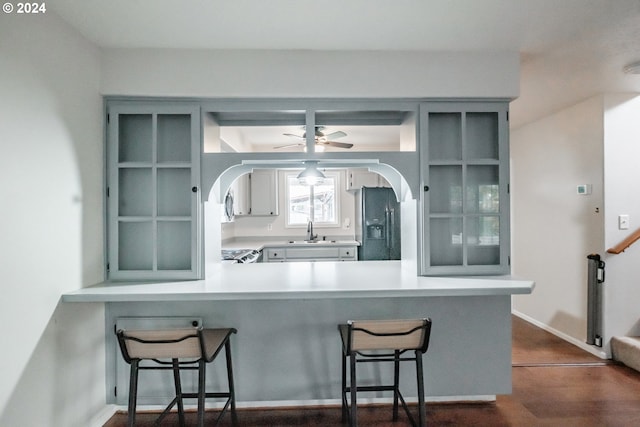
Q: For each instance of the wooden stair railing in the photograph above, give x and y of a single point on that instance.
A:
(620, 247)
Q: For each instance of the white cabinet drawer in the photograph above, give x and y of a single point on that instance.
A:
(312, 253)
(348, 253)
(276, 253)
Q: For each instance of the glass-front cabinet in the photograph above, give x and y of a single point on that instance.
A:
(153, 198)
(464, 173)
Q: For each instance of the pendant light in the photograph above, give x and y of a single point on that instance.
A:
(311, 175)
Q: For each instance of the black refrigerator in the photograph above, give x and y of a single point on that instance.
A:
(377, 224)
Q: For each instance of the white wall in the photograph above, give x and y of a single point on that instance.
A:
(593, 142)
(554, 228)
(213, 73)
(51, 228)
(622, 175)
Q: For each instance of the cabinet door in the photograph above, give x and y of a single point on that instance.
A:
(264, 192)
(464, 169)
(153, 160)
(358, 178)
(241, 194)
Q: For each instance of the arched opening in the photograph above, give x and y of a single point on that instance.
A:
(285, 225)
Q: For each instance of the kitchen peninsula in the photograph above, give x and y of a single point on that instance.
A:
(287, 349)
(164, 227)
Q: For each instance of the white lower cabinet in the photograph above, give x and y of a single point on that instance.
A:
(296, 254)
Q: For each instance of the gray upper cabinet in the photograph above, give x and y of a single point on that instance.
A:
(153, 190)
(465, 175)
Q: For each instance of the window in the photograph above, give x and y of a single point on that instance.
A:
(318, 203)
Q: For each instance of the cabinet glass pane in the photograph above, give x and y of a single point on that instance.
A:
(445, 241)
(445, 136)
(483, 195)
(135, 192)
(445, 189)
(134, 138)
(174, 192)
(174, 245)
(482, 136)
(135, 246)
(174, 138)
(483, 240)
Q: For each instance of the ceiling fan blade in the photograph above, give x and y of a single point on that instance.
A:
(336, 144)
(287, 146)
(335, 135)
(293, 135)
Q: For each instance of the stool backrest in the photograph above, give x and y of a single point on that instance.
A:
(160, 344)
(409, 334)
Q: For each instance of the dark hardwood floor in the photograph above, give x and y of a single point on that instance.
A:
(554, 384)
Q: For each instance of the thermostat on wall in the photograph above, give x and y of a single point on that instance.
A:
(584, 189)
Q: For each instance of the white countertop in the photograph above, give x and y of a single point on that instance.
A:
(305, 280)
(260, 244)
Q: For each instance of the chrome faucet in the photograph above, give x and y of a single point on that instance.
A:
(310, 236)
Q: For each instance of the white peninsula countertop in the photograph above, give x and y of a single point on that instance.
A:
(297, 305)
(321, 280)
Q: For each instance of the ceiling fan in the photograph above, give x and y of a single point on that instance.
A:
(321, 139)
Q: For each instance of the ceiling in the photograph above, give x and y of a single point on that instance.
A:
(570, 49)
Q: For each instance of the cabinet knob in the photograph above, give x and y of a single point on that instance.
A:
(194, 189)
(426, 188)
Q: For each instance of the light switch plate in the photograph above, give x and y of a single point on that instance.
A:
(623, 222)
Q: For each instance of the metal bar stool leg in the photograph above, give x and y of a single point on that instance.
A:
(232, 392)
(422, 415)
(178, 387)
(133, 393)
(344, 387)
(396, 381)
(201, 391)
(354, 389)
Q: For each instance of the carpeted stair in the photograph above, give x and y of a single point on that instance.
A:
(626, 350)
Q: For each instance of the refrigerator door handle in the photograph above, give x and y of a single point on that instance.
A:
(392, 229)
(387, 226)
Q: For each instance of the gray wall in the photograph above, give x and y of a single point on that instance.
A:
(289, 350)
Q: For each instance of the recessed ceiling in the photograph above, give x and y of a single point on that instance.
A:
(571, 49)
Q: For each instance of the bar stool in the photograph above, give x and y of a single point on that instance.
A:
(383, 341)
(176, 350)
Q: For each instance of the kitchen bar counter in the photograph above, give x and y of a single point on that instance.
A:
(259, 281)
(287, 350)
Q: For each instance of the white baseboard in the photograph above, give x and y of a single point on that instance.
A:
(364, 400)
(596, 351)
(319, 402)
(104, 415)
